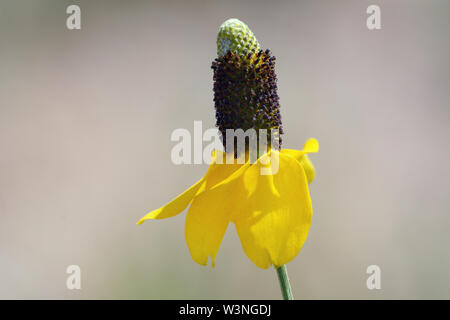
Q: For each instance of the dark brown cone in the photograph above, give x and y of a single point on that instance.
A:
(245, 94)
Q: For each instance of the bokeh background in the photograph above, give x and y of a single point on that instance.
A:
(85, 124)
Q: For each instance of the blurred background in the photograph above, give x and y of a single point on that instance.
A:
(85, 123)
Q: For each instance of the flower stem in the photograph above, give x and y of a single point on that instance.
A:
(285, 286)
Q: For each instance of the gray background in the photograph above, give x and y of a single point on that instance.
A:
(85, 124)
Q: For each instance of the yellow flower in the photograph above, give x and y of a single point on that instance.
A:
(272, 213)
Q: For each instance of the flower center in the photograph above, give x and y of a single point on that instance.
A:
(245, 85)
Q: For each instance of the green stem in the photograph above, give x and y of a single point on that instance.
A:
(283, 278)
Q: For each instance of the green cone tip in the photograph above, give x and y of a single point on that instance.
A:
(234, 35)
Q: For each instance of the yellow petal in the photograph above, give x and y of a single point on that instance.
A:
(218, 172)
(273, 226)
(215, 174)
(311, 146)
(176, 206)
(208, 217)
(309, 168)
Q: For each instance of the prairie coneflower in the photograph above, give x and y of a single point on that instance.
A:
(272, 212)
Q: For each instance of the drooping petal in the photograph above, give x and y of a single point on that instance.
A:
(311, 146)
(220, 171)
(306, 163)
(304, 160)
(273, 226)
(208, 216)
(308, 166)
(176, 206)
(215, 174)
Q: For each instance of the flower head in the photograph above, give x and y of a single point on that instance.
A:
(272, 212)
